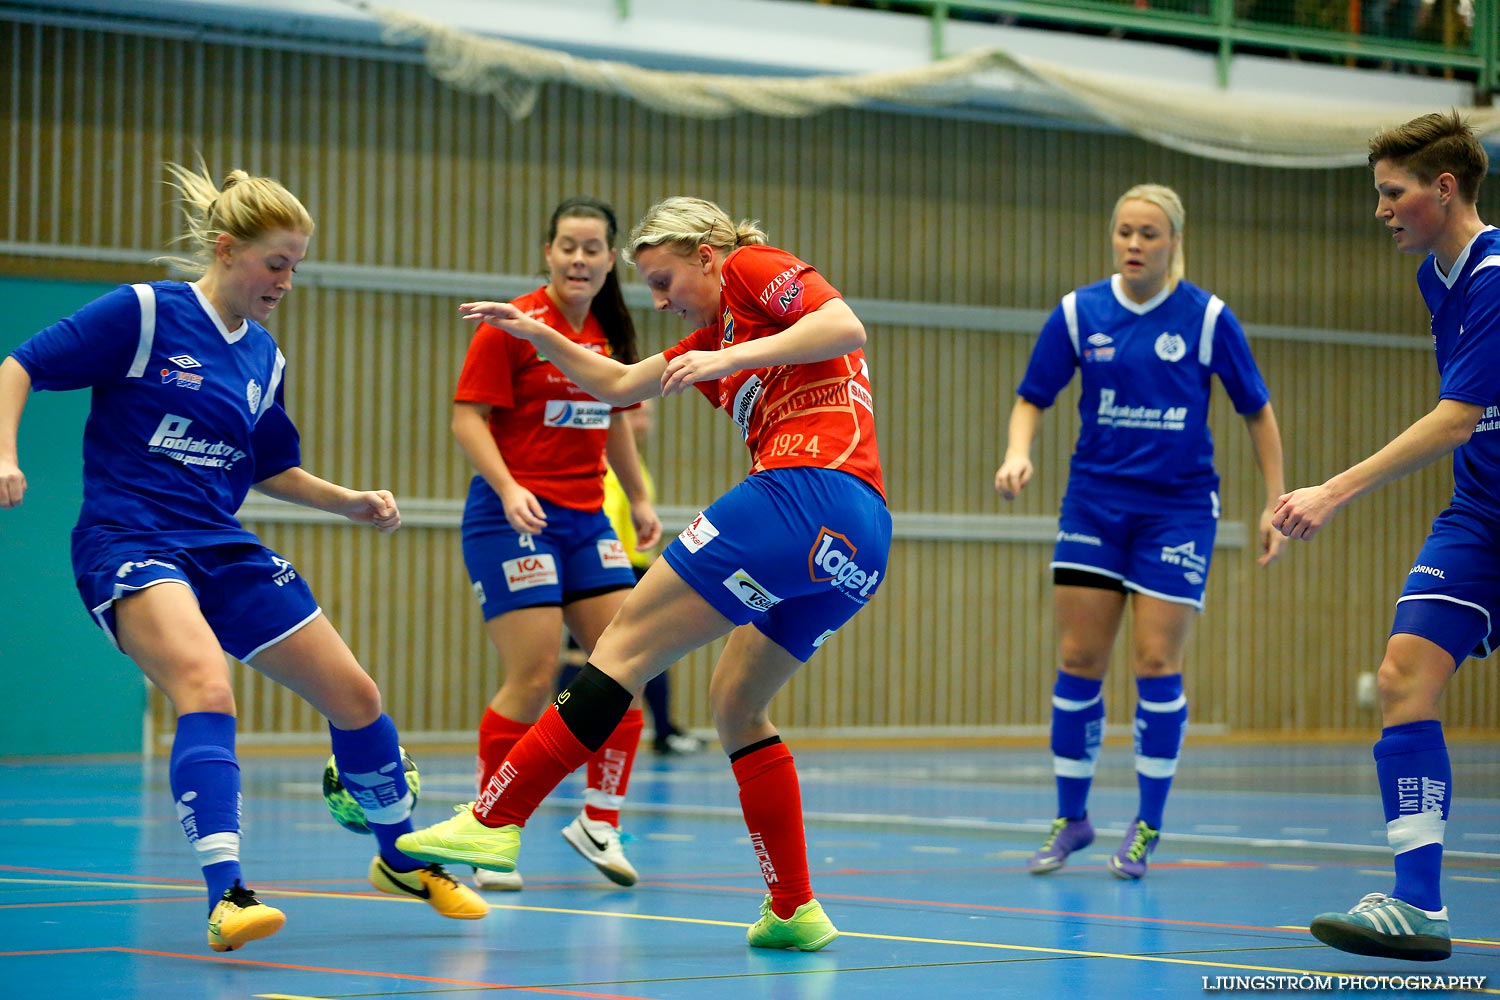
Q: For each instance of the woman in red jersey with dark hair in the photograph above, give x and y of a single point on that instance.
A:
(779, 563)
(540, 550)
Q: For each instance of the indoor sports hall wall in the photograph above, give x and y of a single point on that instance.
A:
(952, 237)
(67, 689)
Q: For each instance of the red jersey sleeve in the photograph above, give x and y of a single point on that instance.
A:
(775, 284)
(705, 339)
(486, 375)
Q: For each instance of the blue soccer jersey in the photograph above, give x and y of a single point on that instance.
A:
(1465, 307)
(186, 415)
(1144, 443)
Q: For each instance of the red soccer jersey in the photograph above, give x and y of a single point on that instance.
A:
(550, 432)
(820, 415)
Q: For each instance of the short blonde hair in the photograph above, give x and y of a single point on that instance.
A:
(245, 208)
(1168, 201)
(691, 222)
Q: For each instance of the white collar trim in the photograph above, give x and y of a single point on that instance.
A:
(230, 336)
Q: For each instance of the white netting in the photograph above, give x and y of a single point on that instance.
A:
(1265, 131)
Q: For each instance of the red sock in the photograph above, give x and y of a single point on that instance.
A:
(538, 762)
(497, 735)
(609, 770)
(771, 800)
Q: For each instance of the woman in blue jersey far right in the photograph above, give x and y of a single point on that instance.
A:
(186, 417)
(1142, 504)
(1427, 177)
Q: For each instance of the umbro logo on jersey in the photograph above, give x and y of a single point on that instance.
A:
(184, 361)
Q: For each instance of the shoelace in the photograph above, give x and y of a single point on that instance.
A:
(1370, 902)
(240, 896)
(1138, 847)
(1058, 825)
(438, 871)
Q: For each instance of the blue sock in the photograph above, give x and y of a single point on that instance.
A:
(369, 762)
(205, 780)
(1416, 788)
(1160, 722)
(1077, 733)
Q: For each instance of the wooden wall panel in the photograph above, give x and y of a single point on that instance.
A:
(405, 174)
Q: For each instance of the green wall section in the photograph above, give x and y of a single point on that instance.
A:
(68, 690)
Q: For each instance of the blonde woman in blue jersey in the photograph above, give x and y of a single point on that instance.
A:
(186, 417)
(1138, 521)
(1427, 177)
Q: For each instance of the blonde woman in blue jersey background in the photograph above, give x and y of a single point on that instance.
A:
(186, 417)
(1142, 503)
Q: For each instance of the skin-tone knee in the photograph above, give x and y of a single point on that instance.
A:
(1411, 679)
(202, 694)
(526, 692)
(1150, 665)
(737, 722)
(1081, 663)
(359, 705)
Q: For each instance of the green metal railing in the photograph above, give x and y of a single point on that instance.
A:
(1325, 28)
(1450, 44)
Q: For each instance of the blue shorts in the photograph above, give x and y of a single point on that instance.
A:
(250, 596)
(1165, 556)
(795, 551)
(1452, 594)
(577, 555)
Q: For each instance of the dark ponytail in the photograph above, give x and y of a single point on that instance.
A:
(608, 306)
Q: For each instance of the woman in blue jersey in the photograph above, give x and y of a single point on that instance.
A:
(1142, 503)
(186, 417)
(1427, 177)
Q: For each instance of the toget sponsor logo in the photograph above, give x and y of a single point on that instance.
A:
(831, 560)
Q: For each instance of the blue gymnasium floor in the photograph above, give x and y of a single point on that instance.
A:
(916, 855)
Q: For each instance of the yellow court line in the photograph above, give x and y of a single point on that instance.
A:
(987, 945)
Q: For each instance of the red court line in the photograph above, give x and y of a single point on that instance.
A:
(131, 876)
(405, 977)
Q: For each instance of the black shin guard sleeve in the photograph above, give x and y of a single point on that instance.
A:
(593, 706)
(747, 751)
